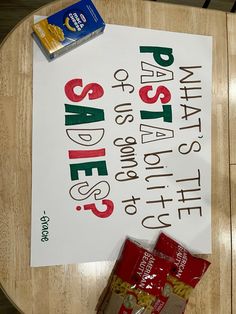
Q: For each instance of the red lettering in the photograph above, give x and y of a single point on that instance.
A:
(93, 90)
(73, 154)
(161, 92)
(101, 214)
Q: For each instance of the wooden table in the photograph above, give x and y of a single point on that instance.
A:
(76, 288)
(231, 26)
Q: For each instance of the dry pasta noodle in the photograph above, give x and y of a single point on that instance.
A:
(138, 282)
(57, 32)
(187, 270)
(180, 288)
(120, 287)
(152, 283)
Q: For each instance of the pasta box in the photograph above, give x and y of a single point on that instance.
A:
(68, 28)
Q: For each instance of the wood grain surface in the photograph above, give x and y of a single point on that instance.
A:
(231, 25)
(233, 208)
(74, 289)
(231, 19)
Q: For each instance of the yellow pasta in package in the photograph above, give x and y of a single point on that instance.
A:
(68, 28)
(187, 269)
(145, 282)
(139, 284)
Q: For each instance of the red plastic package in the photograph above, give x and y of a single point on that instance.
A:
(188, 268)
(138, 283)
(151, 283)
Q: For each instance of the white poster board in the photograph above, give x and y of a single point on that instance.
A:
(121, 145)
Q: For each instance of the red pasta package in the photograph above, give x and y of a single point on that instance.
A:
(187, 270)
(138, 284)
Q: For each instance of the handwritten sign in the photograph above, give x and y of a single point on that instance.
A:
(121, 145)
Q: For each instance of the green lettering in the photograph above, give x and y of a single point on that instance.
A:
(166, 114)
(158, 53)
(82, 114)
(87, 168)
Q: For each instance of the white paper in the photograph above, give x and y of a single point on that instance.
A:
(153, 175)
